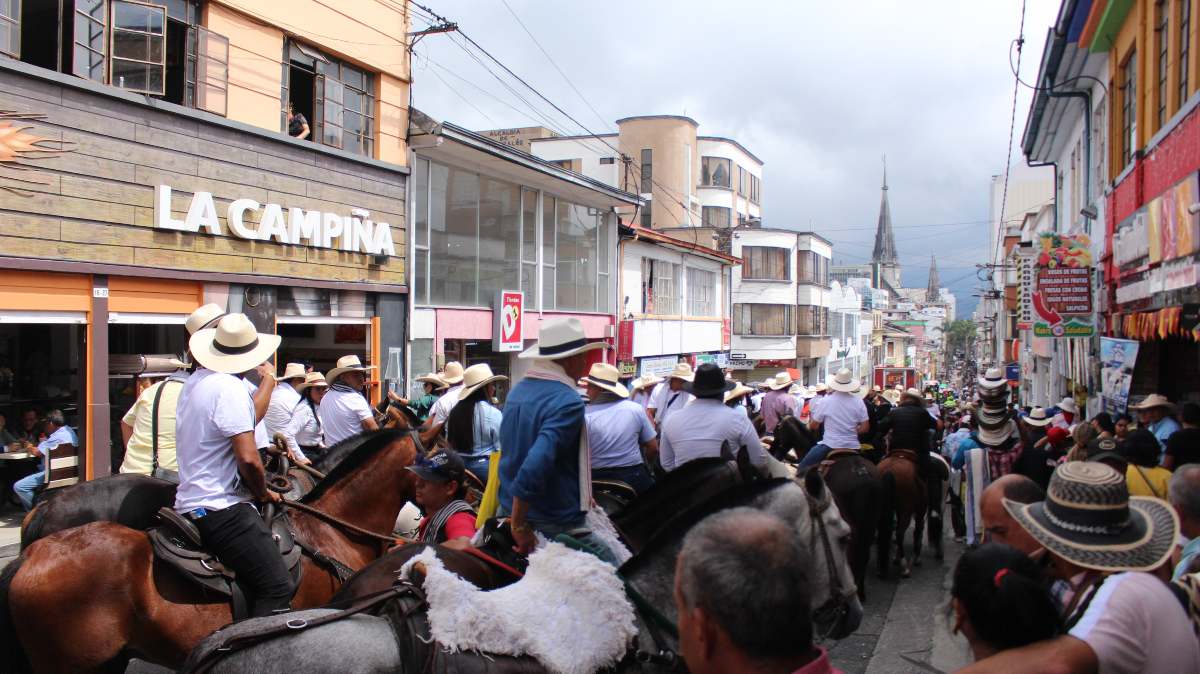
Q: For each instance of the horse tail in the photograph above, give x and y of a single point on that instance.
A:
(12, 655)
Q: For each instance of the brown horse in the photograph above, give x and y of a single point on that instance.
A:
(89, 598)
(905, 496)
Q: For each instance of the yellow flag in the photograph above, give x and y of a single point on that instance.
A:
(491, 493)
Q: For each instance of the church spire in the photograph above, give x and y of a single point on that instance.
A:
(933, 291)
(885, 242)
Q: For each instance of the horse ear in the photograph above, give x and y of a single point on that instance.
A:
(814, 484)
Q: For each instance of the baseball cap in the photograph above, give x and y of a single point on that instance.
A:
(443, 465)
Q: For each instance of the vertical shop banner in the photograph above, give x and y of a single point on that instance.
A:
(625, 341)
(1025, 275)
(508, 314)
(1062, 293)
(1117, 358)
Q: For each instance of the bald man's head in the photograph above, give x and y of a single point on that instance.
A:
(997, 523)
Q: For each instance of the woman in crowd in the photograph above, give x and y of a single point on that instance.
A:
(305, 426)
(433, 387)
(999, 600)
(1082, 435)
(1122, 425)
(1104, 425)
(1144, 476)
(473, 427)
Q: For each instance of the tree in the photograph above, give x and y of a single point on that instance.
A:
(959, 335)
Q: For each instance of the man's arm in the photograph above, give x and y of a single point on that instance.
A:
(666, 453)
(250, 467)
(262, 397)
(369, 424)
(1060, 655)
(749, 439)
(521, 531)
(650, 450)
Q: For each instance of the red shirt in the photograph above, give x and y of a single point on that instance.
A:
(820, 665)
(459, 525)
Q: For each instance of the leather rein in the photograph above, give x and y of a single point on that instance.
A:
(838, 604)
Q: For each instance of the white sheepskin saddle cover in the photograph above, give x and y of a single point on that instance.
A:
(569, 612)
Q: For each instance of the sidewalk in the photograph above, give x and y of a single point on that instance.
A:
(10, 533)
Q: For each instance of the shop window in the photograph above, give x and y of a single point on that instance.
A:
(139, 35)
(1161, 30)
(660, 287)
(336, 98)
(453, 236)
(701, 292)
(764, 263)
(714, 172)
(499, 239)
(420, 198)
(762, 319)
(42, 367)
(716, 216)
(575, 229)
(549, 259)
(529, 248)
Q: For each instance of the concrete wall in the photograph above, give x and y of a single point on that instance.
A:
(96, 203)
(655, 336)
(589, 152)
(676, 164)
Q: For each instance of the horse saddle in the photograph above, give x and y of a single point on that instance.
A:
(833, 457)
(612, 495)
(176, 541)
(906, 454)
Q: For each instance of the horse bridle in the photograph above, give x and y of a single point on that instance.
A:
(838, 604)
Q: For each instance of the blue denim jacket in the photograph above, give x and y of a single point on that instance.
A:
(540, 459)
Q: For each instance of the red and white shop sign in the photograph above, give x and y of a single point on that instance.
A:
(507, 317)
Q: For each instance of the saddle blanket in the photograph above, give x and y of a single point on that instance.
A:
(569, 612)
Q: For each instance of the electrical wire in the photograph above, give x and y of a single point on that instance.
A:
(1012, 125)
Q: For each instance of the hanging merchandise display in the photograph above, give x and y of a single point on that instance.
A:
(1062, 295)
(1117, 359)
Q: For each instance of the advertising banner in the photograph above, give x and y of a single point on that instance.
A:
(659, 365)
(1025, 268)
(1117, 358)
(1171, 229)
(1062, 293)
(507, 316)
(625, 341)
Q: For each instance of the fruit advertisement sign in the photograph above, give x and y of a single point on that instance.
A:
(1062, 293)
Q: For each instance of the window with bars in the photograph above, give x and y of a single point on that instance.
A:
(715, 172)
(1128, 108)
(765, 263)
(1161, 31)
(812, 268)
(812, 321)
(1185, 43)
(660, 287)
(716, 216)
(762, 319)
(701, 292)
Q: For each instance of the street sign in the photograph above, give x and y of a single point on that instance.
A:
(1062, 294)
(737, 356)
(508, 314)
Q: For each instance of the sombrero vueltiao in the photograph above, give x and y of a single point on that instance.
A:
(1089, 519)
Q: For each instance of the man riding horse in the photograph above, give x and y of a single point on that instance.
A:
(219, 467)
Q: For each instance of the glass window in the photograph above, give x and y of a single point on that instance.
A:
(714, 171)
(660, 287)
(529, 226)
(645, 216)
(743, 182)
(453, 236)
(548, 256)
(1161, 29)
(762, 319)
(10, 28)
(499, 238)
(421, 203)
(575, 288)
(647, 169)
(139, 47)
(1128, 108)
(89, 52)
(812, 321)
(421, 276)
(812, 268)
(1185, 44)
(529, 285)
(702, 292)
(211, 71)
(346, 110)
(716, 216)
(765, 263)
(755, 189)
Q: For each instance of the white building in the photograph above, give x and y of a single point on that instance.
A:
(846, 346)
(673, 296)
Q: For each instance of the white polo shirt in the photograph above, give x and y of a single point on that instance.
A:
(213, 407)
(616, 431)
(666, 402)
(284, 401)
(840, 414)
(441, 409)
(261, 437)
(700, 429)
(342, 414)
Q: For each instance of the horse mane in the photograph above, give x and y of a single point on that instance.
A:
(663, 492)
(678, 525)
(348, 455)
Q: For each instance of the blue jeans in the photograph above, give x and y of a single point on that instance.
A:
(478, 465)
(816, 454)
(577, 529)
(635, 476)
(24, 488)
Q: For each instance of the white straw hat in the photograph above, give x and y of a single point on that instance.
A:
(645, 382)
(844, 381)
(453, 373)
(738, 391)
(292, 371)
(606, 377)
(1067, 404)
(1150, 402)
(346, 364)
(432, 378)
(682, 371)
(312, 379)
(560, 338)
(476, 377)
(781, 380)
(233, 347)
(204, 317)
(1037, 417)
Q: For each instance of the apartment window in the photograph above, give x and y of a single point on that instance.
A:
(337, 99)
(837, 329)
(762, 319)
(1185, 40)
(714, 172)
(549, 259)
(812, 268)
(1161, 30)
(647, 170)
(529, 247)
(660, 287)
(701, 292)
(10, 28)
(743, 183)
(755, 189)
(420, 260)
(1128, 108)
(812, 321)
(765, 263)
(606, 160)
(645, 215)
(715, 216)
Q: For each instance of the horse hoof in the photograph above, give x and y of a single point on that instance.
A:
(905, 573)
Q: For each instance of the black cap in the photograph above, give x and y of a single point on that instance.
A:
(444, 465)
(709, 382)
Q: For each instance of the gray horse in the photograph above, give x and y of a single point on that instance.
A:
(364, 643)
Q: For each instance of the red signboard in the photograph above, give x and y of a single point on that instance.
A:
(625, 341)
(1066, 290)
(509, 314)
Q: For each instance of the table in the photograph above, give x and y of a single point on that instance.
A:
(15, 456)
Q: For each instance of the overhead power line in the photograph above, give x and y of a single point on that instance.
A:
(1012, 125)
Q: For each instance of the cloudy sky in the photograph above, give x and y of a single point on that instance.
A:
(818, 90)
